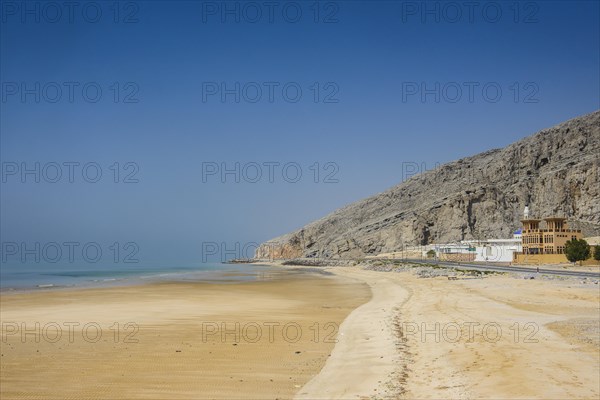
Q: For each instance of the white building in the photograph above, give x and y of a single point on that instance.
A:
(490, 250)
(464, 247)
(518, 234)
(496, 250)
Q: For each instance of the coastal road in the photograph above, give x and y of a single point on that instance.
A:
(499, 268)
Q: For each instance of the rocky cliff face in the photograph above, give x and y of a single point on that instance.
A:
(556, 171)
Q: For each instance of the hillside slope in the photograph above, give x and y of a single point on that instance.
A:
(555, 170)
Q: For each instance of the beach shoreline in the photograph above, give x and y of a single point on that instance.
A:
(254, 339)
(397, 334)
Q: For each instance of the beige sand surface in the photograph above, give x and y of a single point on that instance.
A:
(555, 354)
(366, 354)
(172, 359)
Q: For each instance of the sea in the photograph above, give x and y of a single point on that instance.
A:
(44, 276)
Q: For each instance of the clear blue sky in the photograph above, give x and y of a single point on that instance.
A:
(369, 57)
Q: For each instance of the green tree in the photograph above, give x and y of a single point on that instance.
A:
(577, 250)
(431, 254)
(597, 252)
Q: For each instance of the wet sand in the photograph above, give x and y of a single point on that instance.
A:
(165, 340)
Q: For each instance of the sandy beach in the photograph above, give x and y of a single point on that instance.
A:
(173, 346)
(498, 337)
(398, 336)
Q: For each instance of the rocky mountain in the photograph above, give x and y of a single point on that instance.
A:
(556, 171)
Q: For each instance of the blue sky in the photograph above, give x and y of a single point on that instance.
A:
(161, 115)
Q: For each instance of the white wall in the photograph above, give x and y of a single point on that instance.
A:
(496, 252)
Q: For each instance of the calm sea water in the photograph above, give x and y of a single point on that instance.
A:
(23, 277)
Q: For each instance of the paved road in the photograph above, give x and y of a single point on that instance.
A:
(499, 268)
